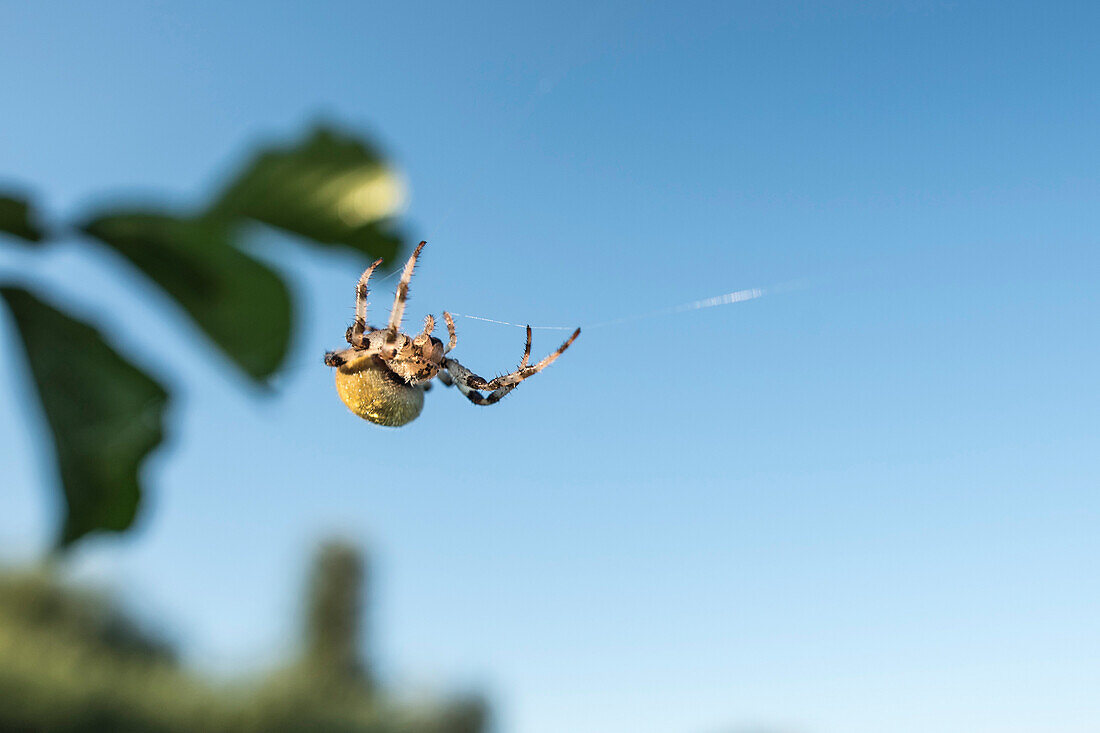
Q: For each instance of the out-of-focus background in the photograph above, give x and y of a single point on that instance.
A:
(863, 502)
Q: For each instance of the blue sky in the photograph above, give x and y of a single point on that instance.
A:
(868, 504)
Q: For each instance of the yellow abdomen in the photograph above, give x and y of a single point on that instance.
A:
(374, 393)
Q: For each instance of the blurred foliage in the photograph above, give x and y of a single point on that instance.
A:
(239, 302)
(70, 662)
(105, 414)
(330, 188)
(16, 219)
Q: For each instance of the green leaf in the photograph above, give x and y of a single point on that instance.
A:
(240, 303)
(106, 414)
(15, 218)
(330, 188)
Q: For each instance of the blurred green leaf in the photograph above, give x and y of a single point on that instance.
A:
(240, 303)
(15, 218)
(330, 188)
(106, 415)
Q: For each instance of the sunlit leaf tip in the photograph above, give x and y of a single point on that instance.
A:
(331, 187)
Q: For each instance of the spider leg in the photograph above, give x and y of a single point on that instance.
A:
(452, 341)
(398, 312)
(527, 349)
(525, 371)
(339, 358)
(423, 344)
(429, 325)
(471, 385)
(465, 380)
(355, 333)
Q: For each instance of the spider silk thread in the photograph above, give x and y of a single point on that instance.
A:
(737, 296)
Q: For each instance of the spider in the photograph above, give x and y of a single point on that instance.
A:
(383, 376)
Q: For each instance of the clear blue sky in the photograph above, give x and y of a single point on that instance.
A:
(866, 505)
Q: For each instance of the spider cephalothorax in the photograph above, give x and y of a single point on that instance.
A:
(383, 376)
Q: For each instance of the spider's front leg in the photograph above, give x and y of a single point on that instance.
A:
(345, 356)
(355, 333)
(397, 313)
(471, 385)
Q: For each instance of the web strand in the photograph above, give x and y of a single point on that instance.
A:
(737, 296)
(517, 325)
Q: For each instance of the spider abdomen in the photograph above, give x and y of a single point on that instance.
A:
(375, 393)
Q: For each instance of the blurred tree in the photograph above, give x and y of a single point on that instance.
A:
(71, 662)
(105, 414)
(333, 619)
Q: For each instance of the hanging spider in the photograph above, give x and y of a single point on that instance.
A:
(383, 376)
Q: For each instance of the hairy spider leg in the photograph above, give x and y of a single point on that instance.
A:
(339, 358)
(527, 349)
(424, 338)
(452, 340)
(398, 312)
(471, 385)
(429, 325)
(355, 336)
